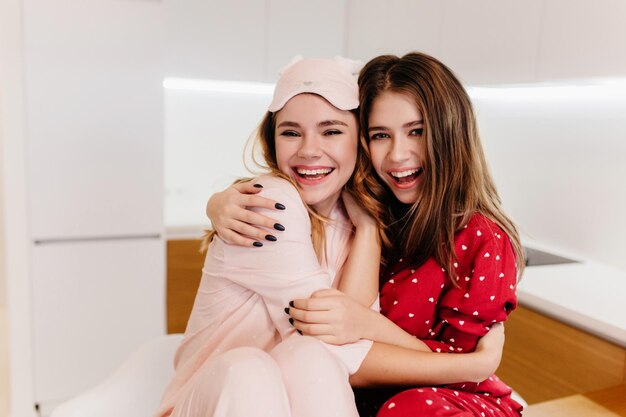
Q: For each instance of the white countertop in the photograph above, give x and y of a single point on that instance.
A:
(585, 295)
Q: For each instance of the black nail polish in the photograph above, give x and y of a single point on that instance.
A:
(279, 206)
(290, 320)
(257, 244)
(287, 310)
(257, 186)
(271, 238)
(299, 331)
(291, 304)
(279, 226)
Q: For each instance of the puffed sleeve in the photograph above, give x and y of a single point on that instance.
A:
(485, 290)
(283, 270)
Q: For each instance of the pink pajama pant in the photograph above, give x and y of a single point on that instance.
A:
(300, 377)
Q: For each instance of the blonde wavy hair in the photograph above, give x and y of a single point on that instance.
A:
(265, 138)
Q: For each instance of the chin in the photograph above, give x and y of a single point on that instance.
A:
(406, 197)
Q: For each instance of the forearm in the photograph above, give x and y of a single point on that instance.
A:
(394, 365)
(383, 330)
(359, 278)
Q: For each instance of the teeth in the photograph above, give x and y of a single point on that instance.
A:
(402, 174)
(321, 171)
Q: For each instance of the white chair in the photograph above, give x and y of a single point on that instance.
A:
(134, 390)
(519, 399)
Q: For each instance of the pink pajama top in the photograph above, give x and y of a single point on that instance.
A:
(244, 290)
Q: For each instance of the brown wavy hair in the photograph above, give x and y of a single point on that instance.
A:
(265, 138)
(457, 183)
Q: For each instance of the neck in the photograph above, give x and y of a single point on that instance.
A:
(325, 207)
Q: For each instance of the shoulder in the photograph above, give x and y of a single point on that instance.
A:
(481, 228)
(283, 192)
(482, 237)
(273, 185)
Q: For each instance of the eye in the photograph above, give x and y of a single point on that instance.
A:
(290, 133)
(332, 132)
(379, 135)
(417, 132)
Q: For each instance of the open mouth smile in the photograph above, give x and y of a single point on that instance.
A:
(312, 175)
(405, 178)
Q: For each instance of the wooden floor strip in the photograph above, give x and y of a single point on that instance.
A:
(573, 406)
(613, 399)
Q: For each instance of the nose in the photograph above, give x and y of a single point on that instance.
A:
(399, 149)
(310, 147)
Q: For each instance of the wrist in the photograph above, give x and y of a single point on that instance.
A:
(369, 228)
(480, 365)
(372, 325)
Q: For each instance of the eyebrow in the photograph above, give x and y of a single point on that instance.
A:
(320, 124)
(331, 123)
(406, 125)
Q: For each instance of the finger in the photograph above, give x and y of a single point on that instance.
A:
(248, 187)
(262, 202)
(234, 238)
(311, 304)
(326, 292)
(347, 197)
(311, 317)
(311, 329)
(257, 219)
(249, 231)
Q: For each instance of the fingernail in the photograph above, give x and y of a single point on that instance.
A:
(257, 244)
(279, 206)
(291, 304)
(271, 238)
(258, 186)
(299, 331)
(279, 226)
(287, 310)
(290, 320)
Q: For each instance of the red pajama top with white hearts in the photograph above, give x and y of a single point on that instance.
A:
(424, 302)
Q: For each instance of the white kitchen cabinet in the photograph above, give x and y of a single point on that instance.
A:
(217, 39)
(299, 27)
(583, 39)
(94, 105)
(393, 27)
(93, 304)
(492, 41)
(94, 138)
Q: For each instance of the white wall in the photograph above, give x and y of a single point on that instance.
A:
(82, 114)
(205, 136)
(4, 346)
(485, 42)
(14, 226)
(2, 238)
(492, 42)
(557, 155)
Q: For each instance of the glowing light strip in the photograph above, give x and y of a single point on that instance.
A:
(583, 89)
(606, 89)
(215, 86)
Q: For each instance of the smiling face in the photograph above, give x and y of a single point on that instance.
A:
(316, 145)
(397, 144)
